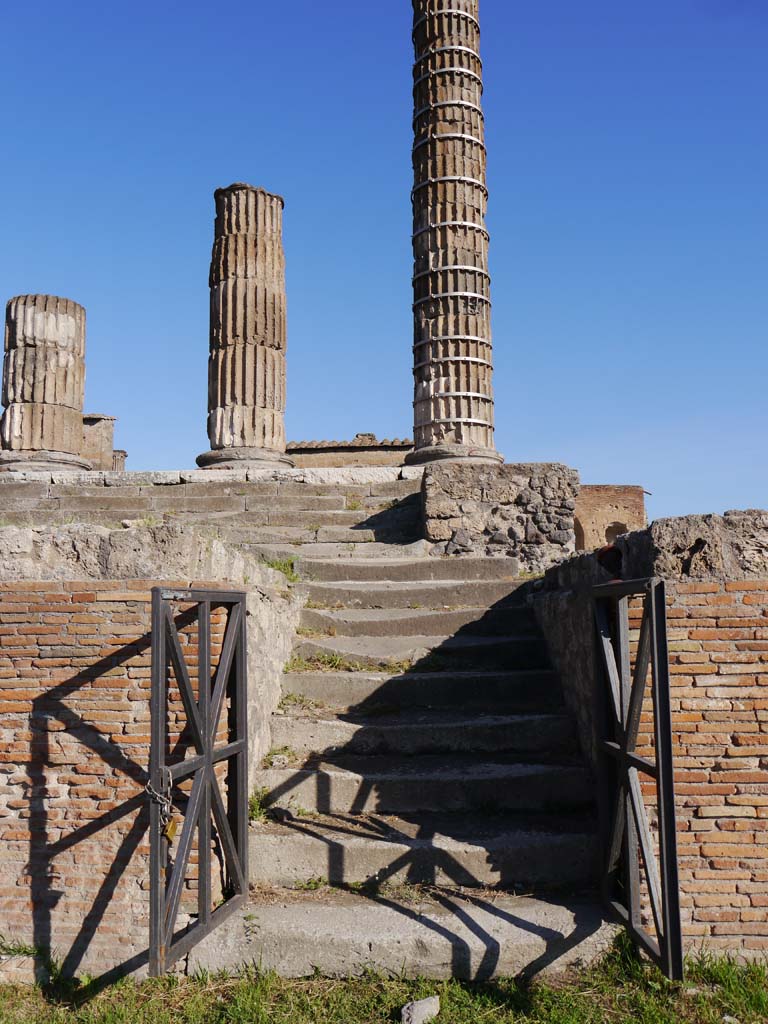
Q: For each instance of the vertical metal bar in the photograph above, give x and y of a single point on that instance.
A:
(631, 853)
(204, 706)
(158, 849)
(607, 808)
(671, 942)
(239, 795)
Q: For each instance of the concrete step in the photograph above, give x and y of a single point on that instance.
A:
(448, 934)
(370, 784)
(416, 622)
(399, 568)
(503, 691)
(371, 552)
(413, 594)
(516, 852)
(530, 735)
(428, 653)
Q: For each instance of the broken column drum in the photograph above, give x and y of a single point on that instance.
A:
(43, 384)
(246, 365)
(453, 406)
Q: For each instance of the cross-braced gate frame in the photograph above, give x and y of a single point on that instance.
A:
(629, 840)
(206, 811)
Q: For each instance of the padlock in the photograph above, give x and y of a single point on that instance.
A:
(170, 828)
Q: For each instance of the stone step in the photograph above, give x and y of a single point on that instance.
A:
(427, 653)
(385, 490)
(321, 538)
(413, 594)
(320, 732)
(399, 568)
(450, 934)
(372, 551)
(350, 784)
(503, 691)
(399, 622)
(309, 519)
(298, 502)
(513, 851)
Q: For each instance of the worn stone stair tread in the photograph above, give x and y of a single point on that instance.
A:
(333, 517)
(428, 594)
(410, 733)
(415, 622)
(556, 852)
(384, 649)
(399, 567)
(453, 934)
(326, 550)
(469, 827)
(426, 782)
(525, 688)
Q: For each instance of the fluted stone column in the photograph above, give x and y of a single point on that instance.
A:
(246, 365)
(43, 384)
(453, 406)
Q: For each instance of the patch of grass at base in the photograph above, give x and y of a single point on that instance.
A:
(622, 989)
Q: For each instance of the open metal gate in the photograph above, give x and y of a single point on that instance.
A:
(629, 838)
(204, 745)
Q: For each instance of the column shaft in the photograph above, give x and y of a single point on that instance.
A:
(43, 384)
(246, 365)
(453, 395)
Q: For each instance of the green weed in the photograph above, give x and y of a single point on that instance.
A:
(287, 566)
(258, 802)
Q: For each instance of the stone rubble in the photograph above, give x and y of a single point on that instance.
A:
(523, 511)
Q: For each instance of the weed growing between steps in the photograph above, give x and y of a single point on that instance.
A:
(620, 990)
(287, 566)
(330, 662)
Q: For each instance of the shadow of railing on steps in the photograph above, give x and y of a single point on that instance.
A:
(503, 640)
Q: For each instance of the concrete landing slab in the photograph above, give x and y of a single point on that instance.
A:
(459, 935)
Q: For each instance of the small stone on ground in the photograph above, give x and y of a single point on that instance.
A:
(421, 1011)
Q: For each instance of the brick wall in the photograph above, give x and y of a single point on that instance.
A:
(717, 593)
(719, 668)
(603, 511)
(74, 748)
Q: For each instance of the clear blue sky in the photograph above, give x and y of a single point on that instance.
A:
(628, 175)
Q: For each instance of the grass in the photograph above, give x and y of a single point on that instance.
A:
(258, 803)
(353, 505)
(620, 990)
(322, 662)
(327, 661)
(275, 752)
(287, 566)
(299, 701)
(311, 884)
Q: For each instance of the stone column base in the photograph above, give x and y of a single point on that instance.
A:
(243, 458)
(453, 453)
(41, 462)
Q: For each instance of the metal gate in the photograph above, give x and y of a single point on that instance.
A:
(187, 763)
(628, 835)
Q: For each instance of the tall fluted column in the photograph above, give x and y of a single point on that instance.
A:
(246, 365)
(453, 401)
(43, 384)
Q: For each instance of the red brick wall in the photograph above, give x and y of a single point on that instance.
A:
(719, 665)
(602, 506)
(74, 748)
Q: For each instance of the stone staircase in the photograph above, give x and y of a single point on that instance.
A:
(427, 807)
